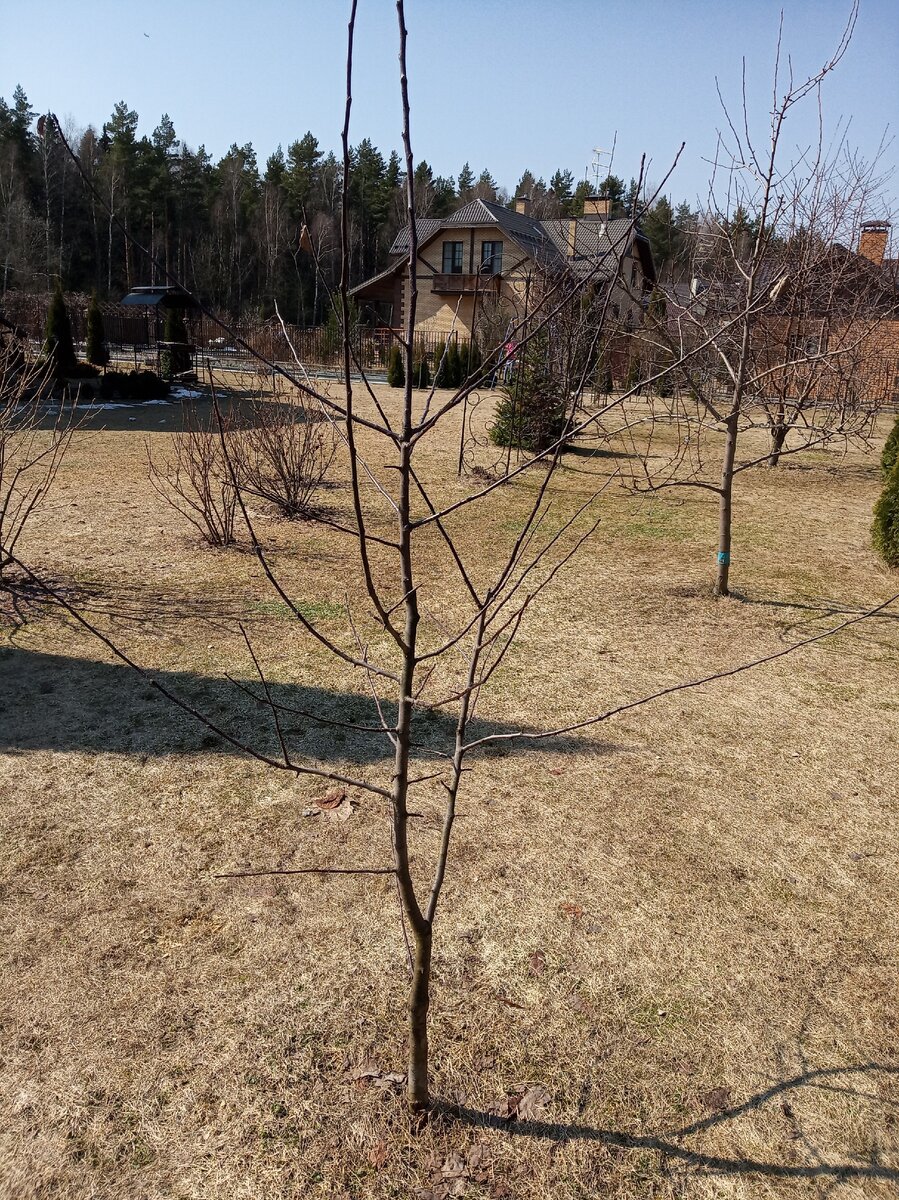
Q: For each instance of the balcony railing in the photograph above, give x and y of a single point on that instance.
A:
(464, 285)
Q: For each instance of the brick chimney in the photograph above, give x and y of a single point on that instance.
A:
(872, 242)
(596, 206)
(572, 237)
(523, 205)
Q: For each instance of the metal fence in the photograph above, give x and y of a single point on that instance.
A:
(135, 334)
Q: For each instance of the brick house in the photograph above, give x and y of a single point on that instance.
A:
(856, 321)
(484, 259)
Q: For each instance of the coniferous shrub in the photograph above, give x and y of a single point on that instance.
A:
(634, 373)
(59, 347)
(175, 359)
(531, 412)
(396, 371)
(890, 454)
(421, 368)
(474, 357)
(440, 364)
(602, 378)
(885, 530)
(453, 365)
(96, 350)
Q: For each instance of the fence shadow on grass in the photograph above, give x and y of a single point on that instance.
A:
(786, 1093)
(56, 702)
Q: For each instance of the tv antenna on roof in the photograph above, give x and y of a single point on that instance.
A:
(596, 168)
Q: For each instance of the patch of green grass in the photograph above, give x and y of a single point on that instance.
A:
(653, 521)
(312, 610)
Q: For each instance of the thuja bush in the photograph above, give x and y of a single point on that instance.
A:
(95, 347)
(396, 372)
(175, 359)
(453, 365)
(58, 344)
(440, 365)
(421, 368)
(885, 530)
(890, 454)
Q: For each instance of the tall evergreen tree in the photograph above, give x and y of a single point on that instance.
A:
(96, 350)
(466, 184)
(58, 344)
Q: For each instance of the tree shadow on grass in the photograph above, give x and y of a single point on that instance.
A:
(669, 1143)
(818, 608)
(56, 702)
(580, 450)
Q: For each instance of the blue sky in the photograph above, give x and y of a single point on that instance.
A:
(506, 84)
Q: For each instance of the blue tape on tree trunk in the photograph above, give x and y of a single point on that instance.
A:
(724, 558)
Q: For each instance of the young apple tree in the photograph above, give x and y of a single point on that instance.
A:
(776, 334)
(423, 640)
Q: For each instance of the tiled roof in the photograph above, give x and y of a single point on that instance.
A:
(425, 227)
(598, 243)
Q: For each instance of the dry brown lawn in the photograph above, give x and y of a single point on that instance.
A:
(682, 925)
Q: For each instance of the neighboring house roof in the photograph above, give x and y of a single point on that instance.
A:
(424, 227)
(597, 248)
(152, 297)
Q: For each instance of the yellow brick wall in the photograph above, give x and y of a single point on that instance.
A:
(438, 313)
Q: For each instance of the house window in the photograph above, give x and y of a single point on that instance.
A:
(491, 258)
(804, 345)
(452, 258)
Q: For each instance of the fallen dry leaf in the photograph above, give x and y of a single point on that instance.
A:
(367, 1069)
(538, 962)
(332, 799)
(717, 1099)
(570, 909)
(533, 1104)
(505, 1108)
(527, 1105)
(458, 1170)
(368, 1072)
(343, 811)
(378, 1154)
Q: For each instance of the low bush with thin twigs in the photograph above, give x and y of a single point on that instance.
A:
(32, 446)
(283, 454)
(196, 478)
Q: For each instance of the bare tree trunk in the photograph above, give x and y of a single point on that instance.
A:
(778, 437)
(418, 1085)
(725, 505)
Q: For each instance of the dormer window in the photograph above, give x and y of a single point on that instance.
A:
(452, 258)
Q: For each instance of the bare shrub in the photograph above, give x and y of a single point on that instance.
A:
(32, 446)
(195, 478)
(283, 453)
